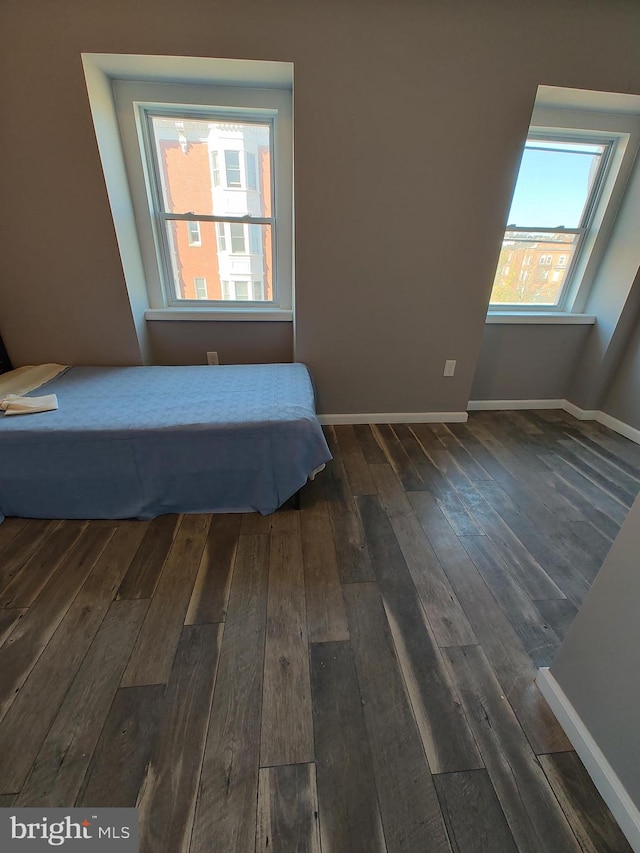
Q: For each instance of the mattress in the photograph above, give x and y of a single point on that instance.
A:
(136, 442)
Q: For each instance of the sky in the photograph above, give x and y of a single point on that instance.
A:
(552, 186)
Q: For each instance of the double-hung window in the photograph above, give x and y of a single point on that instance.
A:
(214, 172)
(554, 203)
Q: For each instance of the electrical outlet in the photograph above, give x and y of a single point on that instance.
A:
(449, 367)
(212, 358)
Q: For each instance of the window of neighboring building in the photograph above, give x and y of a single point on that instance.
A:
(201, 288)
(238, 242)
(556, 195)
(252, 172)
(232, 167)
(222, 237)
(193, 232)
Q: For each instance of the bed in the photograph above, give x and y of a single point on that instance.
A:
(136, 442)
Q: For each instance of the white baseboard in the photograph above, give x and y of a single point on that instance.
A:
(602, 773)
(577, 412)
(396, 418)
(499, 405)
(619, 426)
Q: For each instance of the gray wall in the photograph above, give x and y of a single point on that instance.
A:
(409, 121)
(598, 663)
(527, 362)
(236, 343)
(623, 399)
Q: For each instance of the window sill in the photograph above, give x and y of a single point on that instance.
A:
(541, 318)
(216, 315)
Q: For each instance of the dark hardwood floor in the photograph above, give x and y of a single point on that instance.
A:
(355, 676)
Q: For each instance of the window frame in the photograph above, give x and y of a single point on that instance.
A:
(134, 100)
(596, 203)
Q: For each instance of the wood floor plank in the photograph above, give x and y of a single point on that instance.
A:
(31, 714)
(348, 801)
(605, 502)
(371, 450)
(511, 663)
(538, 638)
(354, 461)
(411, 815)
(446, 617)
(546, 545)
(168, 796)
(8, 620)
(22, 546)
(226, 807)
(522, 565)
(459, 453)
(326, 617)
(211, 589)
(435, 482)
(613, 457)
(151, 660)
(354, 564)
(26, 584)
(475, 821)
(61, 764)
(288, 810)
(120, 759)
(287, 728)
(10, 528)
(559, 614)
(446, 737)
(534, 816)
(591, 820)
(146, 566)
(253, 523)
(623, 486)
(590, 511)
(398, 458)
(30, 636)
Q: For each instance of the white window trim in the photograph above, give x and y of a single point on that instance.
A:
(130, 97)
(624, 130)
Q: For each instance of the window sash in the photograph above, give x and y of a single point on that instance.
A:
(580, 232)
(164, 217)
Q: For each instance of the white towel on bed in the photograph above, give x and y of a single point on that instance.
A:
(12, 404)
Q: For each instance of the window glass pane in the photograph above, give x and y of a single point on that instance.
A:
(532, 268)
(201, 288)
(222, 237)
(238, 244)
(221, 255)
(193, 229)
(255, 239)
(191, 153)
(232, 166)
(242, 290)
(554, 183)
(252, 174)
(258, 291)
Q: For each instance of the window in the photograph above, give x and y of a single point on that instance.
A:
(193, 234)
(201, 288)
(222, 237)
(258, 291)
(232, 166)
(184, 150)
(555, 198)
(237, 238)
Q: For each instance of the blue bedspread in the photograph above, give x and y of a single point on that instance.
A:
(136, 442)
